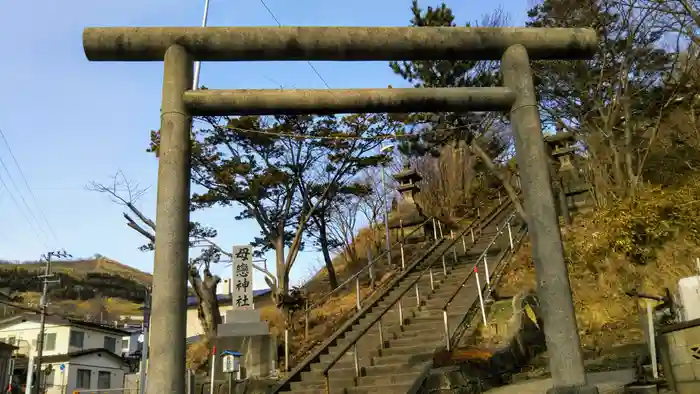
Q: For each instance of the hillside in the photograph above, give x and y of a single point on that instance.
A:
(100, 286)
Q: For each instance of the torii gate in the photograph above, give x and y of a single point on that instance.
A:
(179, 47)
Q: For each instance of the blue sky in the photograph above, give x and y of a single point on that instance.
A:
(69, 121)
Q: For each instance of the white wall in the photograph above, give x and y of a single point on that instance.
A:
(95, 363)
(194, 327)
(26, 334)
(133, 343)
(224, 286)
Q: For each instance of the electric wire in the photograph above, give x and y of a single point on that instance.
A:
(318, 74)
(32, 225)
(26, 184)
(381, 137)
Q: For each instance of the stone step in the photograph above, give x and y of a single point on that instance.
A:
(394, 365)
(368, 351)
(376, 389)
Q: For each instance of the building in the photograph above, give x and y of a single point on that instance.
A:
(92, 369)
(194, 327)
(5, 361)
(71, 347)
(131, 344)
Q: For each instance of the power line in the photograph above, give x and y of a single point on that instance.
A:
(26, 183)
(381, 137)
(318, 74)
(19, 207)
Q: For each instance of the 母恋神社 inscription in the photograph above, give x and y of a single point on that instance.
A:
(242, 286)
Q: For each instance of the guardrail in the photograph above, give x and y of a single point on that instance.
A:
(367, 268)
(397, 299)
(483, 257)
(515, 239)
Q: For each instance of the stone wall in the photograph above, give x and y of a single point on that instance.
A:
(680, 354)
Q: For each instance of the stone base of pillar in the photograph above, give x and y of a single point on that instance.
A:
(588, 389)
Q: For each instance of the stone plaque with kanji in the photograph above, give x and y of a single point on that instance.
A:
(242, 286)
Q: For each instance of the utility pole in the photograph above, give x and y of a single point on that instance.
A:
(143, 375)
(47, 279)
(386, 149)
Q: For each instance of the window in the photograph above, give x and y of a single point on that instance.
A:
(125, 343)
(111, 344)
(50, 341)
(83, 379)
(103, 380)
(76, 339)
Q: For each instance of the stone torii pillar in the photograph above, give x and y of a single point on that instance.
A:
(178, 47)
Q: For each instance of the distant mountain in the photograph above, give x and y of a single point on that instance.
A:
(81, 279)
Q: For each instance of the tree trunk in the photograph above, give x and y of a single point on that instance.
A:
(505, 181)
(208, 306)
(282, 277)
(323, 240)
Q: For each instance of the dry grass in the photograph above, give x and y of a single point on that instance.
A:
(606, 317)
(80, 268)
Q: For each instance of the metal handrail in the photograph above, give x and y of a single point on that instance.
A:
(399, 297)
(459, 330)
(375, 260)
(370, 264)
(482, 256)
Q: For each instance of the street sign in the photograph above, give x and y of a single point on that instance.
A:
(62, 367)
(230, 361)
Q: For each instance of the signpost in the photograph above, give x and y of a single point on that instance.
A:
(242, 286)
(230, 363)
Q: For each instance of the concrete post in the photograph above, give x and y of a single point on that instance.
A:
(554, 291)
(166, 374)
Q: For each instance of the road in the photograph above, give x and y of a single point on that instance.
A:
(611, 382)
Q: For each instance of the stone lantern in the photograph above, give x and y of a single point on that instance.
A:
(408, 215)
(561, 150)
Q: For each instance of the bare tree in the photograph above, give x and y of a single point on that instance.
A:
(342, 226)
(202, 281)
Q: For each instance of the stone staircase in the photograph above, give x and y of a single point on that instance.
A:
(410, 316)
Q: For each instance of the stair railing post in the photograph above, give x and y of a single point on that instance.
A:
(486, 269)
(499, 197)
(464, 244)
(510, 236)
(400, 306)
(381, 334)
(357, 292)
(432, 282)
(447, 329)
(481, 297)
(454, 246)
(444, 266)
(417, 295)
(472, 231)
(306, 320)
(356, 359)
(403, 258)
(435, 231)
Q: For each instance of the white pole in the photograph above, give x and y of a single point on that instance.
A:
(144, 360)
(30, 370)
(213, 369)
(652, 341)
(198, 64)
(481, 297)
